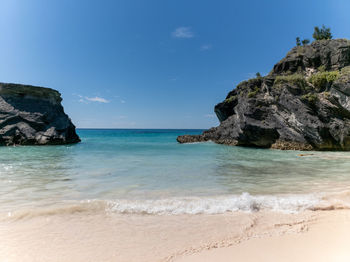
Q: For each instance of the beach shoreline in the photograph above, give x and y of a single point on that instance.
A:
(154, 200)
(83, 236)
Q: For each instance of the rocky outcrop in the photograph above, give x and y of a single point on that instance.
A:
(31, 115)
(302, 104)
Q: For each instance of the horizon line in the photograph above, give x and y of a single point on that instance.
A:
(104, 128)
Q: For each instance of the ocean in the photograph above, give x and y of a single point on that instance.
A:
(145, 171)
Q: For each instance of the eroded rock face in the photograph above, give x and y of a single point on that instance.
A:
(289, 109)
(31, 115)
(332, 54)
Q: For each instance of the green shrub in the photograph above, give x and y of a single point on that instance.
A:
(321, 68)
(312, 98)
(345, 70)
(332, 76)
(250, 82)
(305, 41)
(230, 99)
(322, 33)
(321, 80)
(254, 92)
(296, 79)
(344, 76)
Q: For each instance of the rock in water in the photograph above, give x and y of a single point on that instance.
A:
(31, 115)
(302, 104)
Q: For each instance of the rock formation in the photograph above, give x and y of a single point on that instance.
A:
(302, 104)
(31, 115)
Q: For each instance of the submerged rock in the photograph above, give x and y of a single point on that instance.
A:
(302, 104)
(31, 115)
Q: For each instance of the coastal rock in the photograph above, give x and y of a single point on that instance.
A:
(31, 115)
(302, 104)
(332, 54)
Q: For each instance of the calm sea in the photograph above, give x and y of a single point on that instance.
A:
(147, 171)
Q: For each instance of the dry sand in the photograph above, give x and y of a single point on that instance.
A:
(327, 240)
(260, 236)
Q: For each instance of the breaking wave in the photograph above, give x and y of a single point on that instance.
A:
(218, 205)
(195, 205)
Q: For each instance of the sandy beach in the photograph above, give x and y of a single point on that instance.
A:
(261, 236)
(325, 239)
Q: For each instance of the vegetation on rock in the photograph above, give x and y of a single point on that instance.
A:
(305, 41)
(254, 92)
(302, 104)
(310, 97)
(321, 68)
(321, 80)
(230, 99)
(297, 79)
(322, 33)
(345, 70)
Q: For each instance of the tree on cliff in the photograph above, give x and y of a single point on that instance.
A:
(322, 33)
(305, 41)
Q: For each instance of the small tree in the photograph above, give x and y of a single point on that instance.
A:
(298, 41)
(322, 33)
(258, 75)
(305, 41)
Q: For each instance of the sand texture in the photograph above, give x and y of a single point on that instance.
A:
(260, 236)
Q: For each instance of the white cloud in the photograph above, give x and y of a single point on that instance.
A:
(183, 32)
(97, 99)
(86, 99)
(206, 47)
(122, 101)
(209, 115)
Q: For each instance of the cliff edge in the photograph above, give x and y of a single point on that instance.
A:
(31, 115)
(302, 104)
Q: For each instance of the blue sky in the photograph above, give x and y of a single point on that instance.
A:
(155, 63)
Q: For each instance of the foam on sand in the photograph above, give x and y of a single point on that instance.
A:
(193, 205)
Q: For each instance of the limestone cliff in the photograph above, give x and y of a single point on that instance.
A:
(31, 115)
(303, 103)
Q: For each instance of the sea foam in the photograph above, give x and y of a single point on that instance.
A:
(192, 205)
(217, 205)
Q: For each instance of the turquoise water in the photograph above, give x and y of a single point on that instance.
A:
(148, 171)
